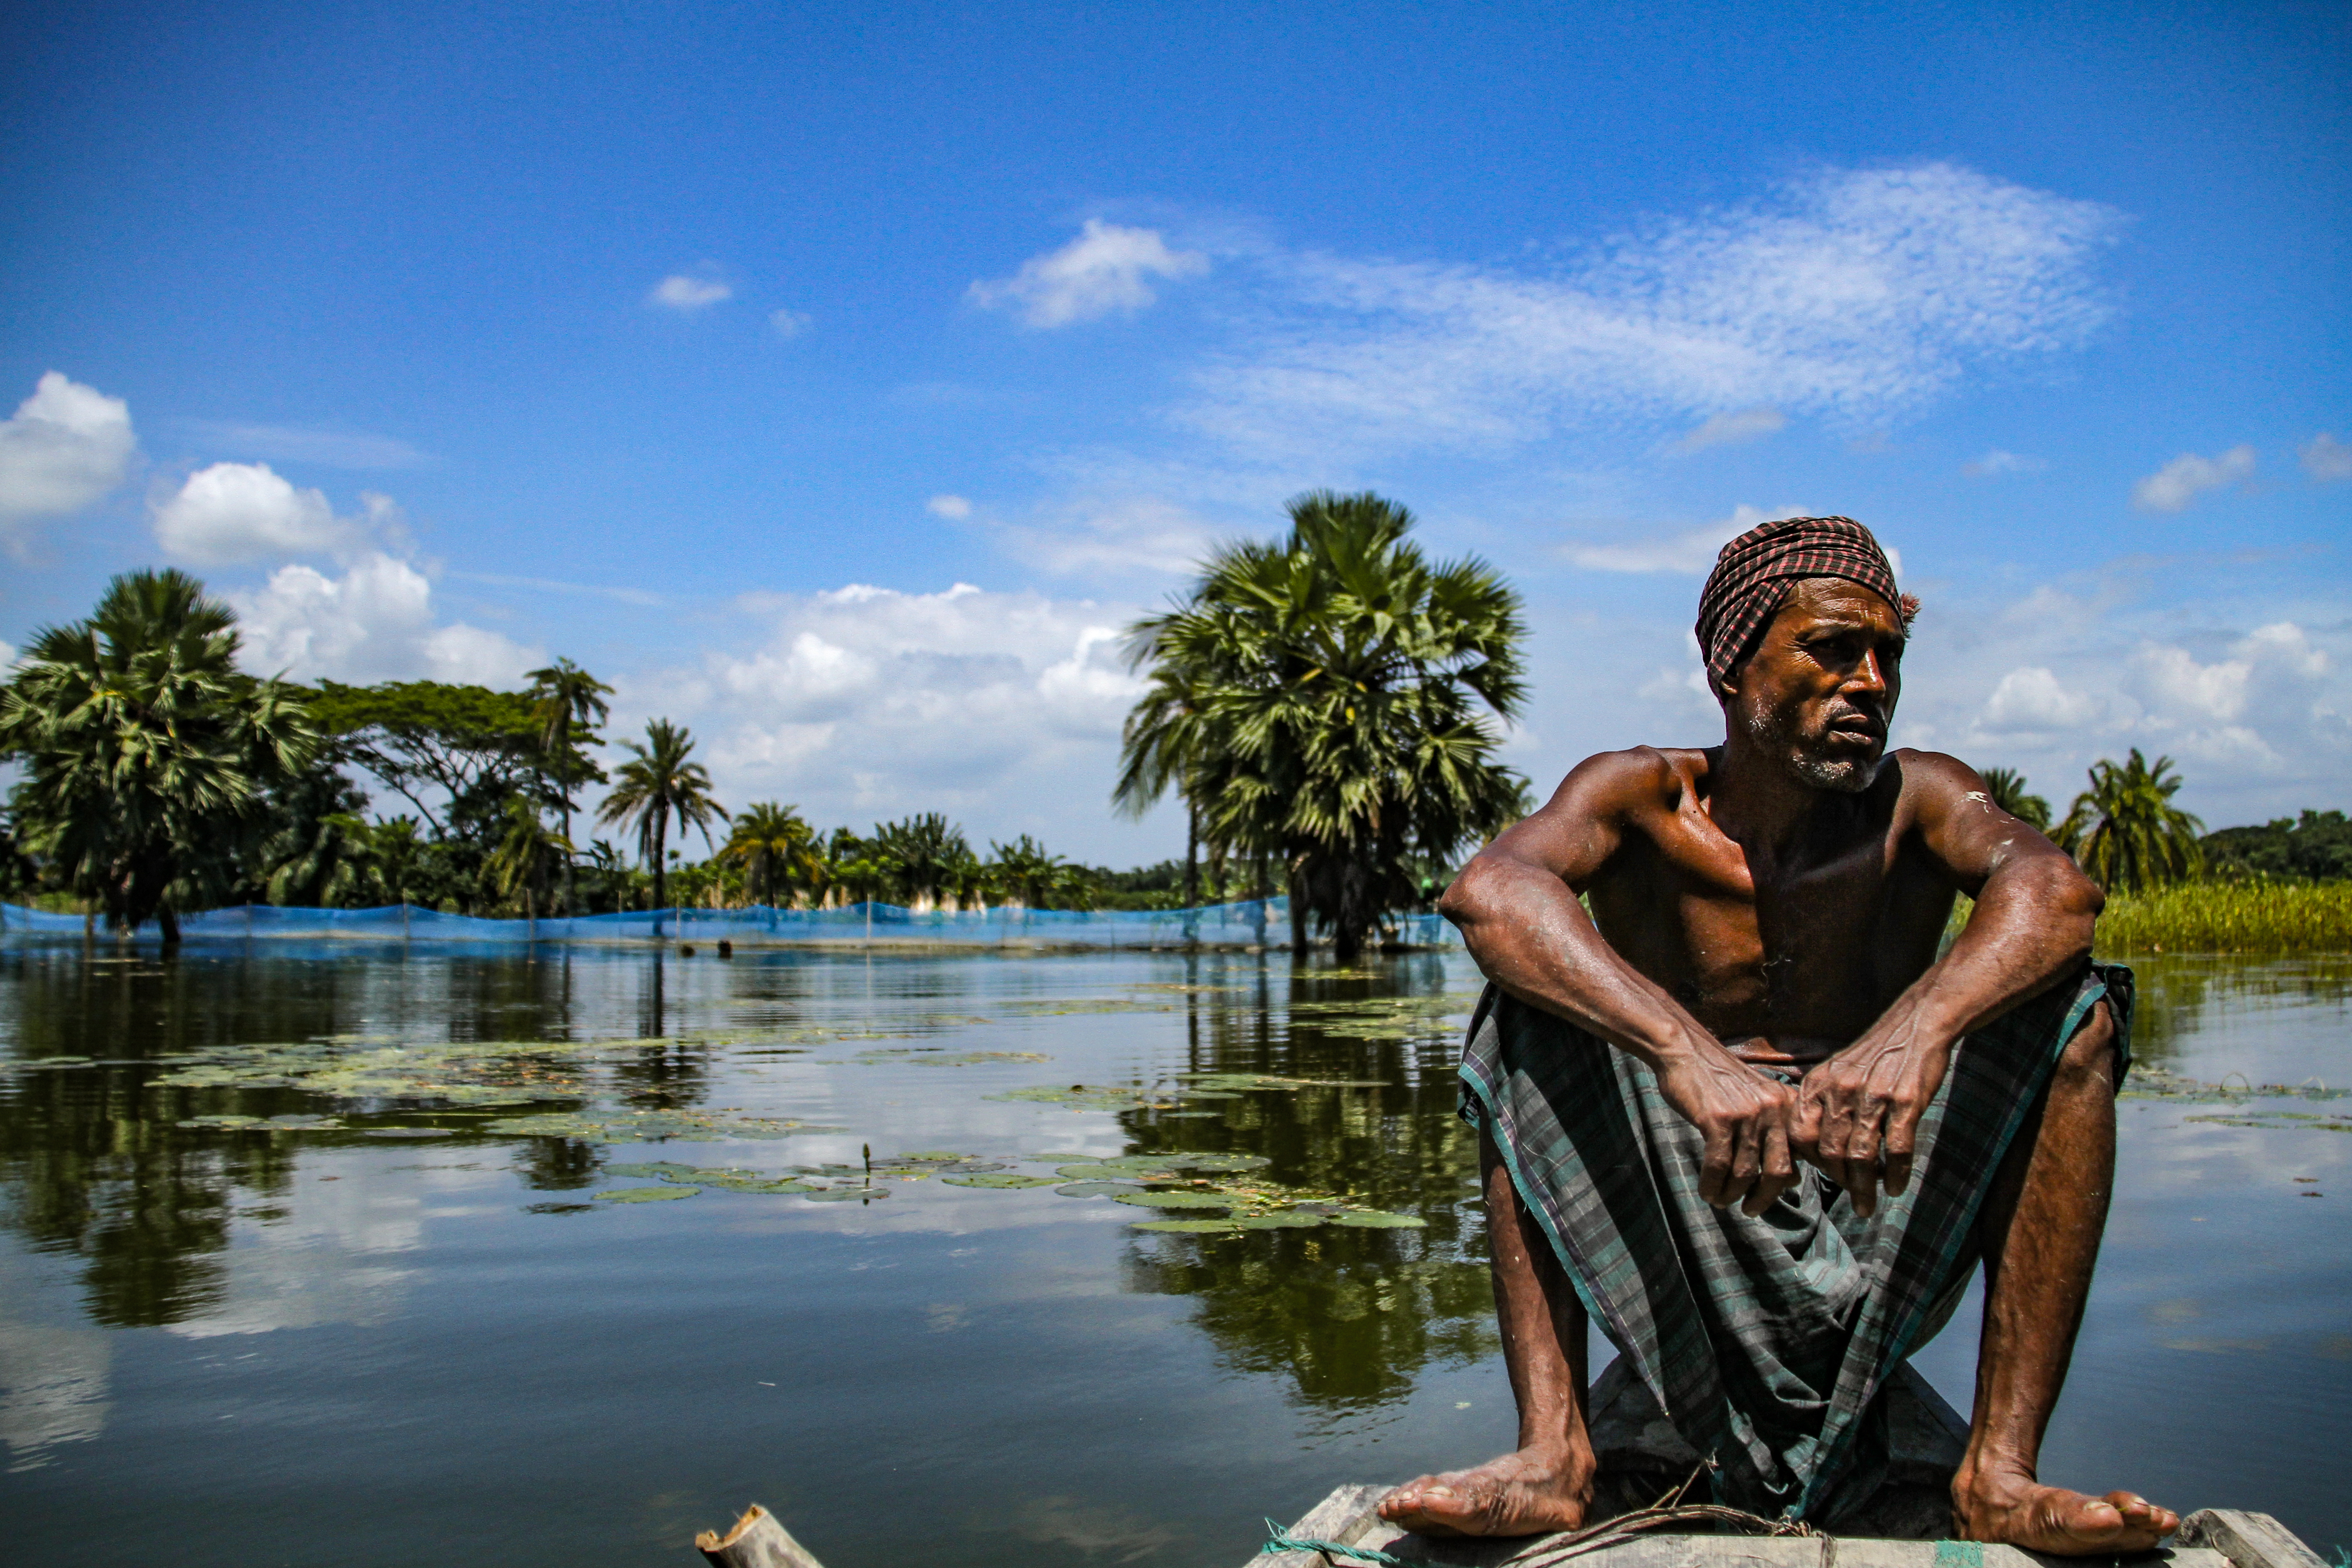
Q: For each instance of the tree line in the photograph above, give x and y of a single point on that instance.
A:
(159, 778)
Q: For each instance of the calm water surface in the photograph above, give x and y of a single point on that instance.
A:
(315, 1345)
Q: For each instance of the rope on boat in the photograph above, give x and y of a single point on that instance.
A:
(1280, 1540)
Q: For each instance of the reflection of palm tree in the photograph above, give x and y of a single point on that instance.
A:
(1331, 699)
(2126, 832)
(143, 747)
(657, 786)
(568, 702)
(769, 839)
(2007, 788)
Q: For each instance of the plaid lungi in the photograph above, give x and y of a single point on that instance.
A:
(1765, 1341)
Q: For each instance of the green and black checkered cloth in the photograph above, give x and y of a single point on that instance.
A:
(1765, 1341)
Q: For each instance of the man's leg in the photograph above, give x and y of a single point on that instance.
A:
(1546, 1484)
(2040, 1232)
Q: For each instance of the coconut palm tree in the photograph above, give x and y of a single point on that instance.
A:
(928, 855)
(525, 851)
(569, 703)
(2125, 833)
(1164, 738)
(774, 843)
(1332, 700)
(144, 750)
(2007, 788)
(659, 785)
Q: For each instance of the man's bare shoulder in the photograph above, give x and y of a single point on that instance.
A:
(1935, 782)
(1638, 779)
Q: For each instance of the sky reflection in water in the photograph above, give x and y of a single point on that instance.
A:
(448, 1349)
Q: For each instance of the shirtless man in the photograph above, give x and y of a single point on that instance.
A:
(1761, 951)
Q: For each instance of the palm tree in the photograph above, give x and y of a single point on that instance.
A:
(928, 855)
(656, 786)
(769, 839)
(1164, 738)
(524, 852)
(2125, 831)
(1332, 700)
(145, 749)
(2007, 788)
(569, 703)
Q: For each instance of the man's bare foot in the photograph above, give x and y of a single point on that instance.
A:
(1531, 1492)
(2021, 1511)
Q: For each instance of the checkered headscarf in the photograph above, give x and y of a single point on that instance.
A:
(1744, 590)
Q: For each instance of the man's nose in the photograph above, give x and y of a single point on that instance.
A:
(1869, 676)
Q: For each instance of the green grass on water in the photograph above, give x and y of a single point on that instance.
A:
(2219, 917)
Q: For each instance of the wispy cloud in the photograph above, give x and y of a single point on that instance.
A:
(1693, 552)
(556, 586)
(2188, 476)
(2325, 459)
(680, 292)
(1998, 462)
(1106, 268)
(789, 323)
(1856, 296)
(293, 444)
(1729, 429)
(955, 509)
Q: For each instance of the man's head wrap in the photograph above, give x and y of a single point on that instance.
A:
(1753, 574)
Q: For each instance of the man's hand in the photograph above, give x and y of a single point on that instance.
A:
(1743, 1114)
(1857, 1114)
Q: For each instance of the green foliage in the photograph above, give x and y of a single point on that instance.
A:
(1025, 872)
(526, 854)
(456, 753)
(146, 752)
(929, 859)
(2007, 788)
(1331, 700)
(2317, 845)
(660, 784)
(2125, 831)
(568, 703)
(778, 851)
(2248, 917)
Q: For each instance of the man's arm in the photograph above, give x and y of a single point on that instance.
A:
(1857, 1115)
(1517, 906)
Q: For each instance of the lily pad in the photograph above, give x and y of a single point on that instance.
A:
(646, 1194)
(1001, 1180)
(933, 1157)
(975, 1167)
(1286, 1219)
(407, 1132)
(1374, 1219)
(1180, 1200)
(843, 1195)
(221, 1123)
(1227, 1161)
(1095, 1189)
(1189, 1226)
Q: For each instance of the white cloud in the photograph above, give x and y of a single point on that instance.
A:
(789, 323)
(66, 446)
(373, 623)
(1729, 429)
(236, 512)
(291, 444)
(955, 509)
(1854, 295)
(681, 292)
(2032, 698)
(1997, 462)
(863, 703)
(2325, 459)
(2187, 475)
(1694, 551)
(1113, 537)
(1102, 271)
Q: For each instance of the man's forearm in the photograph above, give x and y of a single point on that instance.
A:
(1532, 935)
(2030, 927)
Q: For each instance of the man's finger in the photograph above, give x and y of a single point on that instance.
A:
(1778, 1173)
(1901, 1142)
(1715, 1164)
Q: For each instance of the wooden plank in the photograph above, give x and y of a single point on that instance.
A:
(2247, 1540)
(1343, 1517)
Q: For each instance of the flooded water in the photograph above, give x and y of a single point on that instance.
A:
(280, 1341)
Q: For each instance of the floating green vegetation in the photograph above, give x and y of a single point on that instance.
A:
(843, 1195)
(1004, 1180)
(2288, 1121)
(262, 1123)
(1182, 1200)
(1061, 1006)
(650, 1126)
(2149, 1081)
(1189, 1226)
(646, 1194)
(472, 1072)
(1092, 1096)
(1227, 1085)
(1095, 1189)
(1375, 1220)
(922, 1057)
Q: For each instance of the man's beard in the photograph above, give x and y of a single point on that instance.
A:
(1814, 766)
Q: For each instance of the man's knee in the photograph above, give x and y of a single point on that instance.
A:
(2088, 1062)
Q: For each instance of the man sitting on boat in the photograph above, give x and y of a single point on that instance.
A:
(1744, 1112)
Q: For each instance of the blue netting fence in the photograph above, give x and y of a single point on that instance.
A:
(1257, 923)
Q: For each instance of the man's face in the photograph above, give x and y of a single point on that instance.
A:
(1819, 692)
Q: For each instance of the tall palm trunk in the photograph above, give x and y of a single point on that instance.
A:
(661, 867)
(570, 862)
(1191, 855)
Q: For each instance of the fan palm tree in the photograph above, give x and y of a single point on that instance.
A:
(1332, 700)
(659, 785)
(774, 842)
(569, 703)
(143, 748)
(2007, 788)
(927, 854)
(2125, 833)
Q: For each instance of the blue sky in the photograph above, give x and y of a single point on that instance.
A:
(837, 380)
